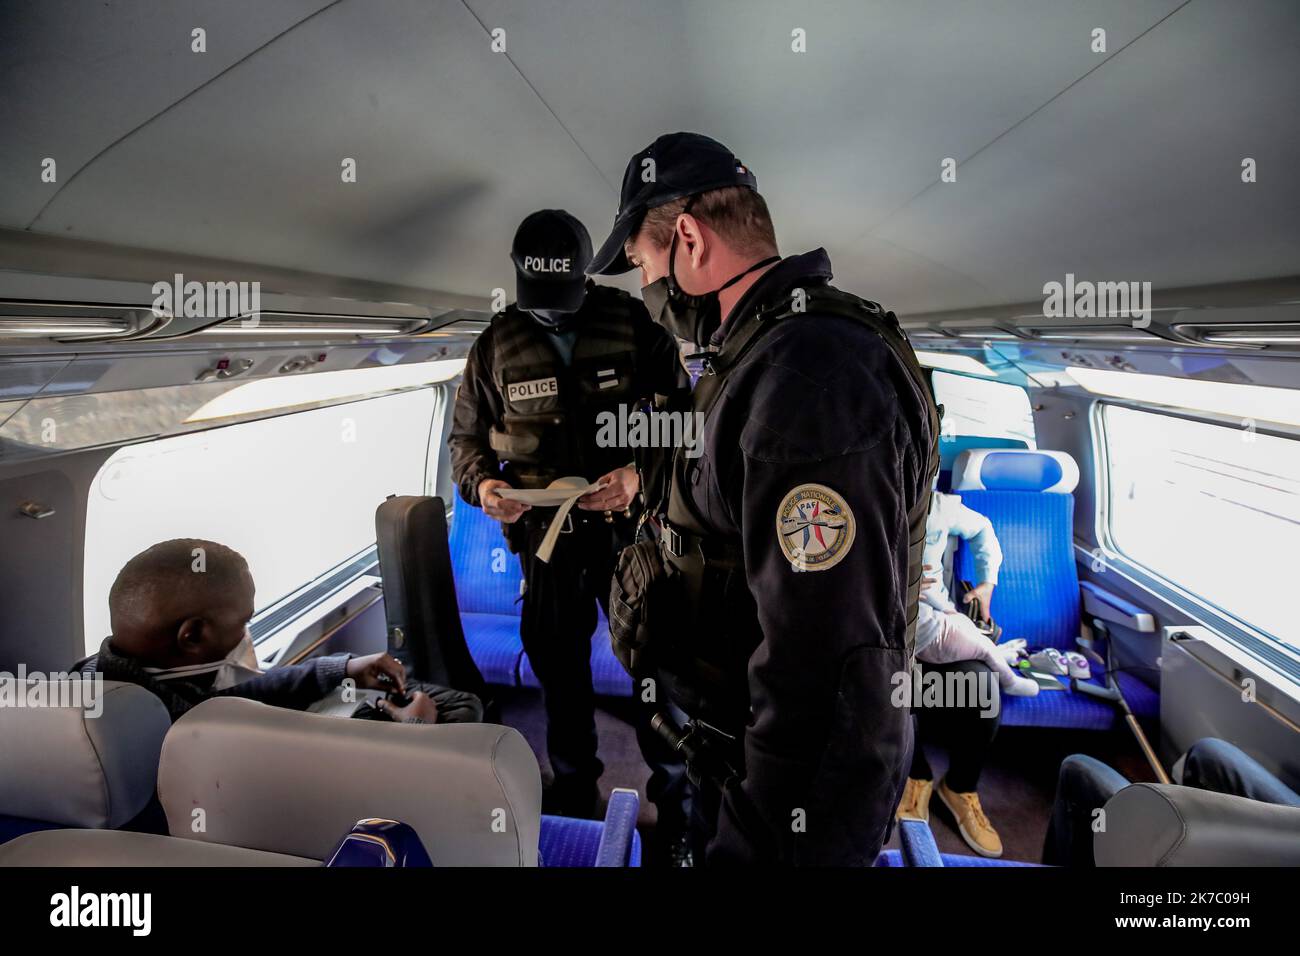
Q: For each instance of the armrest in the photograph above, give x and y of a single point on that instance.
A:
(1152, 824)
(1109, 606)
(917, 844)
(617, 837)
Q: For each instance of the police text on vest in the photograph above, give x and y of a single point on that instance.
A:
(537, 388)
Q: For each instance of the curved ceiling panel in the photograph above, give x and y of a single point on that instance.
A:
(79, 76)
(1135, 173)
(1069, 160)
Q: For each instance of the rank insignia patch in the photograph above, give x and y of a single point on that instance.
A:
(815, 528)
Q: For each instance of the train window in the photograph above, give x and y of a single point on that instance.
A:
(296, 494)
(973, 406)
(1212, 509)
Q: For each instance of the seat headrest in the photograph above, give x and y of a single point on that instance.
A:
(79, 752)
(285, 781)
(1151, 824)
(1006, 469)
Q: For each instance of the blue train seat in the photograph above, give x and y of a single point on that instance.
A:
(950, 446)
(489, 581)
(488, 588)
(918, 849)
(613, 842)
(1027, 495)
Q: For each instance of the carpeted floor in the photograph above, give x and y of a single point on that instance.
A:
(1016, 789)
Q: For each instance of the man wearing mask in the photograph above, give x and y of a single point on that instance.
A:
(791, 546)
(526, 414)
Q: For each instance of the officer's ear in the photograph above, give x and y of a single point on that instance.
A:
(691, 238)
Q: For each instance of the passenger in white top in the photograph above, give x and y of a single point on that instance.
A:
(943, 632)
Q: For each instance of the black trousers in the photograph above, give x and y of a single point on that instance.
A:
(556, 626)
(965, 732)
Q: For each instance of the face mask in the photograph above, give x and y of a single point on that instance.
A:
(691, 317)
(235, 668)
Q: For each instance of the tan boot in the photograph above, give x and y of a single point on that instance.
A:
(915, 804)
(973, 825)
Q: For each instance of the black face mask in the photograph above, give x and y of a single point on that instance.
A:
(553, 320)
(691, 317)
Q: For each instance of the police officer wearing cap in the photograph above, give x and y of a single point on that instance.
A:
(790, 546)
(535, 383)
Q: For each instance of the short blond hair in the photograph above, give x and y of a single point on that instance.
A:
(737, 214)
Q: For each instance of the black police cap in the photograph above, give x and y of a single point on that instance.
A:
(684, 164)
(550, 252)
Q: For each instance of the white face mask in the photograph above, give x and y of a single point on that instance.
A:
(233, 669)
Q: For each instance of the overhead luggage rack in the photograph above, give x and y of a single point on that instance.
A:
(70, 322)
(295, 326)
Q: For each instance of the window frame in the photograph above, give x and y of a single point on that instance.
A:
(1033, 424)
(272, 640)
(1261, 649)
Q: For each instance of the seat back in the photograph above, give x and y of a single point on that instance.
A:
(424, 624)
(488, 575)
(1149, 824)
(78, 752)
(950, 446)
(1027, 495)
(243, 773)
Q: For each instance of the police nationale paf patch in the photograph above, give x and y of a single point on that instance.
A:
(815, 528)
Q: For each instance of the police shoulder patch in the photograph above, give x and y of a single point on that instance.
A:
(815, 527)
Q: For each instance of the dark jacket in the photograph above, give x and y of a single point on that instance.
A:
(296, 686)
(651, 363)
(818, 401)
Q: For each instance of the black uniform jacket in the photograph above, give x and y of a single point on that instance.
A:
(812, 457)
(657, 370)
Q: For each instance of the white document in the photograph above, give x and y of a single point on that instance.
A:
(562, 493)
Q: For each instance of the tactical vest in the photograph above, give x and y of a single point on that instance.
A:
(708, 672)
(550, 423)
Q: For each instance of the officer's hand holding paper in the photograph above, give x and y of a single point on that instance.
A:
(560, 494)
(612, 492)
(498, 506)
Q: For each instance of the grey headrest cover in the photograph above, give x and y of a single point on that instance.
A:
(90, 763)
(247, 774)
(1151, 824)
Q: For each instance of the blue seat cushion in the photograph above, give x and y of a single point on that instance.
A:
(1059, 708)
(568, 842)
(1037, 595)
(894, 858)
(607, 674)
(493, 641)
(488, 575)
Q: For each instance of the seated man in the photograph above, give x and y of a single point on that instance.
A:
(179, 613)
(1085, 784)
(948, 641)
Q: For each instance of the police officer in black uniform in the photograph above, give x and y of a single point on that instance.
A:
(791, 547)
(527, 411)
